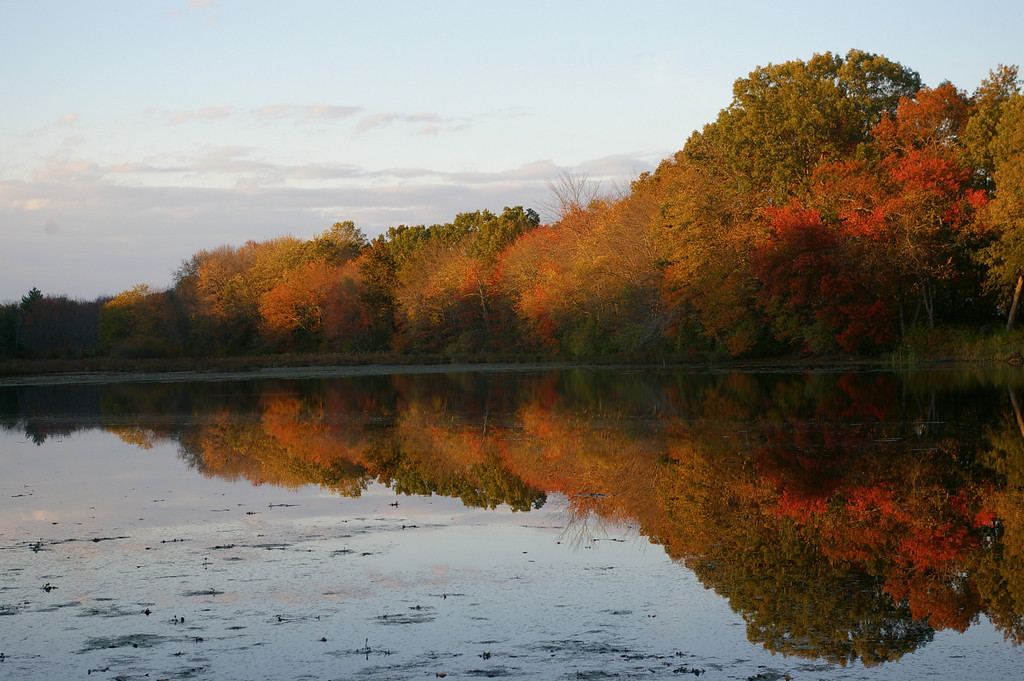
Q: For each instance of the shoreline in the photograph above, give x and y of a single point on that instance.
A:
(279, 372)
(86, 372)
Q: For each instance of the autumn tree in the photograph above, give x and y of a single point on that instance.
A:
(1006, 254)
(591, 282)
(813, 291)
(617, 266)
(532, 274)
(986, 110)
(229, 289)
(442, 300)
(899, 226)
(710, 231)
(223, 297)
(932, 225)
(348, 318)
(123, 315)
(337, 245)
(379, 266)
(293, 310)
(784, 121)
(443, 293)
(491, 234)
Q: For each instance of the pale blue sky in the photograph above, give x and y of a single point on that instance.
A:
(134, 133)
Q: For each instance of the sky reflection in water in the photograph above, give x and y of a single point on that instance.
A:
(199, 496)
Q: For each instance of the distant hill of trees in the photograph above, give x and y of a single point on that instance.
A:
(835, 205)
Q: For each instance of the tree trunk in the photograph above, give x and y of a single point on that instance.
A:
(929, 302)
(917, 313)
(903, 326)
(1015, 303)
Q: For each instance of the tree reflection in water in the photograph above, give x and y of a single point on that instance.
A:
(845, 516)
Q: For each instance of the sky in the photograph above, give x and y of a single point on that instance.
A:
(135, 133)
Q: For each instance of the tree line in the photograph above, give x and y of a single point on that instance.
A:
(835, 205)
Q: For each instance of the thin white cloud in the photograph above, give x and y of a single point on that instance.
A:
(422, 123)
(237, 165)
(30, 205)
(221, 163)
(424, 118)
(305, 111)
(208, 161)
(270, 113)
(211, 113)
(57, 171)
(325, 171)
(331, 111)
(427, 123)
(367, 123)
(508, 112)
(541, 172)
(132, 168)
(275, 111)
(617, 166)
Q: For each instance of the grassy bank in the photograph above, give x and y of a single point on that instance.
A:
(917, 347)
(112, 365)
(959, 344)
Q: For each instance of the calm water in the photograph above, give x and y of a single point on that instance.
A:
(518, 524)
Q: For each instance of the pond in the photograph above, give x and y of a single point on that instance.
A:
(514, 523)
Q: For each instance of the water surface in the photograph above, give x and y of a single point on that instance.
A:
(543, 524)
